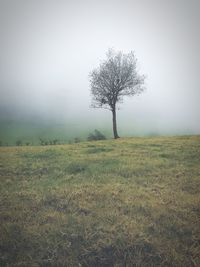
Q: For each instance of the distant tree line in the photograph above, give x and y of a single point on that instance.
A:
(44, 142)
(93, 136)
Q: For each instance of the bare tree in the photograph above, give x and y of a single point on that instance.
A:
(115, 78)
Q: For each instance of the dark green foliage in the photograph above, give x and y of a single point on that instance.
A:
(48, 142)
(55, 141)
(42, 142)
(97, 135)
(77, 140)
(19, 143)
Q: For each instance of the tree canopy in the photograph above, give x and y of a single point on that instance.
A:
(116, 77)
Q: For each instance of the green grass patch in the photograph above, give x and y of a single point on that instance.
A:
(114, 203)
(75, 168)
(98, 150)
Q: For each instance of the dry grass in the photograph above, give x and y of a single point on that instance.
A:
(127, 202)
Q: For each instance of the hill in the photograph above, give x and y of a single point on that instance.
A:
(127, 202)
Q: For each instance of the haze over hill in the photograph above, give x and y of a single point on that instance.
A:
(48, 48)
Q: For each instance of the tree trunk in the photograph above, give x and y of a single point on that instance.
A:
(114, 123)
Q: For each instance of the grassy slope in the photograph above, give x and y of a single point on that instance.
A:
(129, 202)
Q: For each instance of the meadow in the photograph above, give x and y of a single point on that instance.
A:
(115, 203)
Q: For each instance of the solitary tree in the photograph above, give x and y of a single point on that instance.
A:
(115, 78)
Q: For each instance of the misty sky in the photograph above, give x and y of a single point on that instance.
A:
(48, 48)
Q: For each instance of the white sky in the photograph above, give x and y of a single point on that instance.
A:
(48, 48)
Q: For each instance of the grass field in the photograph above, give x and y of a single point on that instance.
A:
(115, 203)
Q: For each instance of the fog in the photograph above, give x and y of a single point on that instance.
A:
(48, 49)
